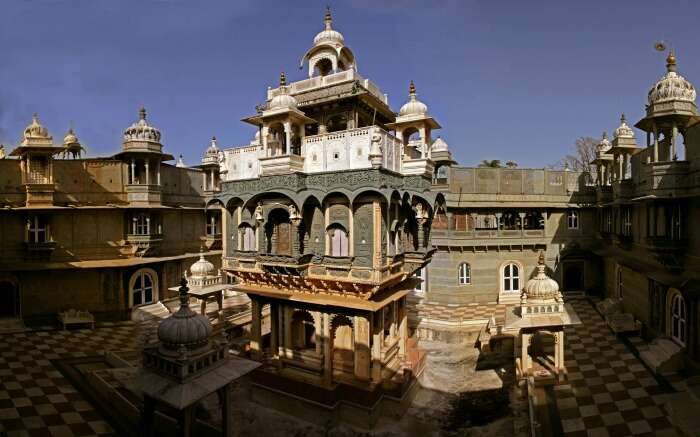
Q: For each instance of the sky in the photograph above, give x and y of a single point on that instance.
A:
(509, 80)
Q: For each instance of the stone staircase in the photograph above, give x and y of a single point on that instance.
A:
(663, 356)
(154, 311)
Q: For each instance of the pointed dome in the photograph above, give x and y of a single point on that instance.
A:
(283, 100)
(36, 130)
(624, 131)
(413, 106)
(439, 145)
(328, 34)
(202, 268)
(211, 156)
(541, 286)
(672, 86)
(70, 138)
(141, 130)
(604, 145)
(184, 330)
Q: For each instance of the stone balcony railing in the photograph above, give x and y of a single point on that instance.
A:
(142, 245)
(450, 237)
(667, 178)
(313, 83)
(42, 249)
(143, 195)
(281, 164)
(666, 244)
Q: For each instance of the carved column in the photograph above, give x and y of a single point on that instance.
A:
(522, 222)
(403, 326)
(287, 330)
(327, 349)
(287, 137)
(256, 329)
(376, 370)
(133, 171)
(656, 143)
(148, 173)
(274, 329)
(674, 135)
(362, 351)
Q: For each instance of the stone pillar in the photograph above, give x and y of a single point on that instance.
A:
(185, 421)
(256, 329)
(498, 221)
(264, 132)
(204, 181)
(450, 221)
(674, 135)
(148, 173)
(274, 329)
(526, 338)
(158, 173)
(225, 401)
(362, 351)
(287, 137)
(522, 222)
(327, 349)
(376, 370)
(656, 143)
(377, 234)
(148, 415)
(133, 171)
(287, 331)
(403, 326)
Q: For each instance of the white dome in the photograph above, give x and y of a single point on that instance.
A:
(672, 86)
(439, 145)
(36, 129)
(541, 286)
(329, 35)
(202, 267)
(413, 106)
(141, 130)
(180, 162)
(283, 99)
(211, 156)
(624, 131)
(70, 137)
(604, 145)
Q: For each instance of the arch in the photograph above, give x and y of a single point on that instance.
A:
(677, 310)
(247, 240)
(211, 203)
(278, 232)
(303, 328)
(337, 192)
(343, 338)
(339, 240)
(143, 287)
(464, 273)
(511, 276)
(9, 299)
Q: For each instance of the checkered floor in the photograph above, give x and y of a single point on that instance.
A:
(609, 391)
(35, 398)
(457, 313)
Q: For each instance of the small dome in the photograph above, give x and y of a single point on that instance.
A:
(604, 145)
(672, 86)
(413, 106)
(283, 99)
(184, 328)
(211, 156)
(180, 162)
(541, 286)
(439, 145)
(70, 138)
(36, 130)
(328, 34)
(624, 131)
(141, 130)
(202, 267)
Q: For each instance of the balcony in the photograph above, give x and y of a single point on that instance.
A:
(623, 189)
(487, 237)
(668, 179)
(142, 245)
(40, 194)
(39, 250)
(313, 83)
(212, 241)
(666, 244)
(143, 195)
(283, 164)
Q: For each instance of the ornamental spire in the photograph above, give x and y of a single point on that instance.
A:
(283, 79)
(412, 89)
(671, 61)
(142, 113)
(328, 19)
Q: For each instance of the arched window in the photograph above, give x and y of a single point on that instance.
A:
(339, 240)
(465, 274)
(143, 287)
(511, 277)
(420, 274)
(247, 238)
(678, 319)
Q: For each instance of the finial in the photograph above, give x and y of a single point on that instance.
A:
(671, 61)
(142, 113)
(412, 89)
(623, 119)
(184, 297)
(328, 20)
(605, 135)
(35, 117)
(283, 79)
(540, 260)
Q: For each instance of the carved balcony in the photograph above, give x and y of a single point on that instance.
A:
(283, 164)
(143, 195)
(142, 245)
(39, 250)
(668, 179)
(40, 194)
(284, 264)
(487, 236)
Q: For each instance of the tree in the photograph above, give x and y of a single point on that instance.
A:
(580, 160)
(493, 163)
(511, 164)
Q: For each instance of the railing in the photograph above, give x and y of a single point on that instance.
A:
(331, 79)
(480, 234)
(140, 238)
(664, 243)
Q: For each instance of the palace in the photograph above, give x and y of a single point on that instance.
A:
(356, 235)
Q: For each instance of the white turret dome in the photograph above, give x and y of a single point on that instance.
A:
(604, 145)
(184, 330)
(672, 86)
(328, 34)
(439, 145)
(141, 130)
(541, 286)
(36, 129)
(413, 106)
(70, 138)
(202, 267)
(283, 99)
(624, 131)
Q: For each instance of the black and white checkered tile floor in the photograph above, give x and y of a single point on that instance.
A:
(609, 392)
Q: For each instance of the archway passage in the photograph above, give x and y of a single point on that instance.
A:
(279, 233)
(9, 300)
(573, 276)
(343, 348)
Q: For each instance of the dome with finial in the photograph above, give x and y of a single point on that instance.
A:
(624, 131)
(413, 106)
(603, 145)
(184, 331)
(36, 130)
(70, 138)
(541, 286)
(211, 156)
(439, 145)
(180, 162)
(328, 34)
(202, 268)
(141, 130)
(672, 86)
(283, 100)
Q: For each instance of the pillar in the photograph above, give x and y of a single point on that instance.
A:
(362, 350)
(376, 349)
(287, 332)
(185, 421)
(287, 137)
(524, 354)
(327, 349)
(403, 326)
(204, 181)
(133, 171)
(225, 401)
(158, 173)
(522, 221)
(274, 329)
(674, 135)
(256, 329)
(148, 415)
(263, 136)
(148, 176)
(656, 144)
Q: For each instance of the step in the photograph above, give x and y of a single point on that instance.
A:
(150, 312)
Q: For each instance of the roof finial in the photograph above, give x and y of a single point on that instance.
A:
(35, 117)
(623, 119)
(671, 61)
(142, 113)
(184, 297)
(540, 260)
(605, 135)
(283, 79)
(412, 89)
(328, 20)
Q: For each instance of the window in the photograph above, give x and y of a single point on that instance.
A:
(141, 224)
(627, 221)
(572, 219)
(420, 274)
(678, 319)
(247, 238)
(38, 229)
(620, 286)
(213, 223)
(339, 241)
(465, 274)
(511, 277)
(143, 288)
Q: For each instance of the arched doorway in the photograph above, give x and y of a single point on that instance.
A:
(303, 330)
(573, 276)
(9, 300)
(279, 232)
(343, 347)
(677, 317)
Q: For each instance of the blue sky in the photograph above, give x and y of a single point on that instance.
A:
(516, 80)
